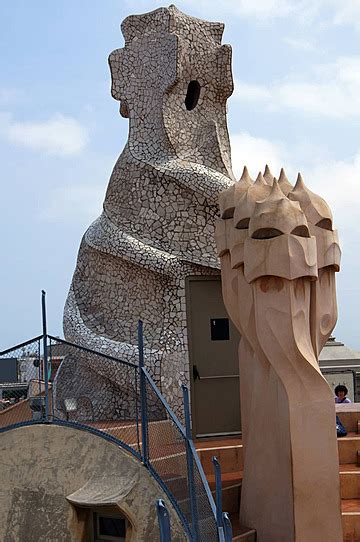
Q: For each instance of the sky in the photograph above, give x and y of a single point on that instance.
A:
(296, 104)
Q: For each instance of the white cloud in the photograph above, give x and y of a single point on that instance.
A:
(338, 181)
(251, 92)
(260, 9)
(59, 135)
(77, 191)
(344, 12)
(331, 90)
(77, 203)
(255, 153)
(300, 44)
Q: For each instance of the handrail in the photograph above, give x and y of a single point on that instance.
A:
(164, 521)
(190, 445)
(227, 527)
(203, 478)
(161, 398)
(21, 345)
(85, 349)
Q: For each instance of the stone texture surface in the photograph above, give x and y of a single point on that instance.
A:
(157, 225)
(279, 254)
(58, 474)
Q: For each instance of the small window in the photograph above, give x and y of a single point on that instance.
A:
(219, 328)
(110, 528)
(192, 95)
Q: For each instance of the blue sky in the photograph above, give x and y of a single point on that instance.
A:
(296, 104)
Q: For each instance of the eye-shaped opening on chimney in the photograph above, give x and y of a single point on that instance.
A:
(301, 231)
(228, 213)
(266, 233)
(192, 95)
(325, 224)
(243, 224)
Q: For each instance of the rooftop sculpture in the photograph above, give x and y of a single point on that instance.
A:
(279, 254)
(172, 79)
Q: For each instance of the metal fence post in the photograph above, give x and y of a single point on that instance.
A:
(164, 521)
(190, 467)
(45, 363)
(39, 369)
(227, 527)
(218, 490)
(143, 398)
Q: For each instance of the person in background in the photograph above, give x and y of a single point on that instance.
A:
(341, 392)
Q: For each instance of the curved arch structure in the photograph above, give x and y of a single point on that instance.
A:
(64, 475)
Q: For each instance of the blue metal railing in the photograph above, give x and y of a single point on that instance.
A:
(164, 521)
(138, 418)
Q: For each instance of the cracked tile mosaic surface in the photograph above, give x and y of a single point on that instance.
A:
(172, 79)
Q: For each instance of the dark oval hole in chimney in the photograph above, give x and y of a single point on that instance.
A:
(192, 95)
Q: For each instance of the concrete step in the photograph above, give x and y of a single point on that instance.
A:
(241, 533)
(350, 481)
(228, 452)
(349, 414)
(228, 479)
(159, 432)
(350, 515)
(231, 490)
(248, 535)
(348, 447)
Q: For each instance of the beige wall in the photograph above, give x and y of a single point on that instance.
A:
(42, 465)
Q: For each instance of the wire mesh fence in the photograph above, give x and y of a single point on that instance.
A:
(22, 387)
(90, 388)
(167, 452)
(207, 528)
(52, 380)
(174, 459)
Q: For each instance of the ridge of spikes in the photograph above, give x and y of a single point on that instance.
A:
(299, 185)
(245, 176)
(268, 176)
(276, 215)
(314, 206)
(284, 182)
(260, 181)
(276, 192)
(228, 198)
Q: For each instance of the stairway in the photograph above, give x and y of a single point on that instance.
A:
(230, 454)
(349, 450)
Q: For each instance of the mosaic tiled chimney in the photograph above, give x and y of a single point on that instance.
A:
(172, 79)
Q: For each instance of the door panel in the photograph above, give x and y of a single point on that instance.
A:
(214, 367)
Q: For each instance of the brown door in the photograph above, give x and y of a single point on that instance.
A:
(214, 367)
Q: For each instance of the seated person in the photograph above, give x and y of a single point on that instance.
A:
(341, 393)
